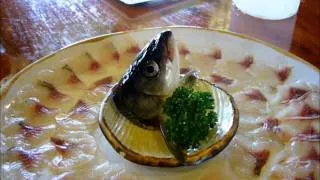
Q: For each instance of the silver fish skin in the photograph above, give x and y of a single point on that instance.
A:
(153, 75)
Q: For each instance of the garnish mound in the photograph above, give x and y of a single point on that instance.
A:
(190, 118)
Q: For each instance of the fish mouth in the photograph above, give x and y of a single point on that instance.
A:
(168, 78)
(166, 39)
(172, 62)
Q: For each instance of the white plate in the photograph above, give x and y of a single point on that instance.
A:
(205, 47)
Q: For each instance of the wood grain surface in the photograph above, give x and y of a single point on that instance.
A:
(31, 29)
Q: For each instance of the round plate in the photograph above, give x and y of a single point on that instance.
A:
(49, 110)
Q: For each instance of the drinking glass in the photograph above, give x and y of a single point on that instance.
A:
(269, 9)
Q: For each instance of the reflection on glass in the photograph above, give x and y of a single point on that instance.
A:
(276, 32)
(268, 9)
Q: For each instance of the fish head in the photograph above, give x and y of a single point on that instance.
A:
(155, 70)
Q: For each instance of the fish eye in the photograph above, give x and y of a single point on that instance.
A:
(151, 69)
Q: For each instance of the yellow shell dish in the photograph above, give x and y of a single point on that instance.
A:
(149, 147)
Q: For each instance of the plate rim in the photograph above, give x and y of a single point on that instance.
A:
(8, 81)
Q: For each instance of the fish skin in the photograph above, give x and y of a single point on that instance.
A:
(140, 93)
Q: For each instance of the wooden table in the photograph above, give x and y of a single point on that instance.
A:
(31, 29)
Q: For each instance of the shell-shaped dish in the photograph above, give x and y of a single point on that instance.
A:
(149, 146)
